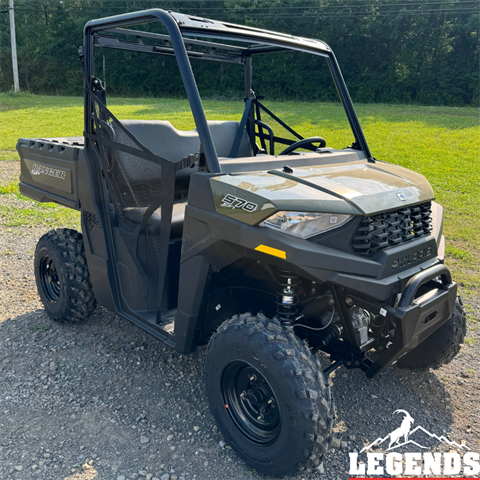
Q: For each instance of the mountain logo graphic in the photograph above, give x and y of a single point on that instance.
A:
(401, 436)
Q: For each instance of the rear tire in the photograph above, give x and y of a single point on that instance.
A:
(268, 395)
(442, 346)
(62, 276)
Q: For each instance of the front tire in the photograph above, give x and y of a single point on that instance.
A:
(442, 346)
(62, 276)
(268, 395)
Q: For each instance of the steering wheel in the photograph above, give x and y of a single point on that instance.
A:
(303, 142)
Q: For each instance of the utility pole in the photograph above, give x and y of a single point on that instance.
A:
(13, 41)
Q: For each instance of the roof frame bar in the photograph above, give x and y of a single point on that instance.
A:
(139, 33)
(112, 42)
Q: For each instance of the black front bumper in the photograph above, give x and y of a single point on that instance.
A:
(414, 319)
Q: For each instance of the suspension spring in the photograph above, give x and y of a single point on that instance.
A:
(287, 297)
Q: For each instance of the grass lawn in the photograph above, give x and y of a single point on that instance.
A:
(441, 143)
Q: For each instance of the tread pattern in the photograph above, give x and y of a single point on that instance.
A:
(80, 301)
(302, 370)
(442, 346)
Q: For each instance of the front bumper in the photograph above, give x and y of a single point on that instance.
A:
(414, 319)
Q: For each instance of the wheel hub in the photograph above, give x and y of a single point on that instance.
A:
(50, 279)
(251, 402)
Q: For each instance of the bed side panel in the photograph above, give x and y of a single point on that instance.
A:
(49, 171)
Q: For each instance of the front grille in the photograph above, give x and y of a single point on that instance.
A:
(392, 228)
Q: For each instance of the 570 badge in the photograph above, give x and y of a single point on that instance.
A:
(230, 201)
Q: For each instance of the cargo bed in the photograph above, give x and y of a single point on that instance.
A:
(49, 169)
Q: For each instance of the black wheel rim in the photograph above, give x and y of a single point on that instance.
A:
(49, 279)
(251, 403)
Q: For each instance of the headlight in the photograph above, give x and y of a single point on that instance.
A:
(305, 224)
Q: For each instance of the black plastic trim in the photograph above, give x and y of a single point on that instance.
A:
(43, 196)
(421, 278)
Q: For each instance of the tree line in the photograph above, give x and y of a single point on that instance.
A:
(390, 51)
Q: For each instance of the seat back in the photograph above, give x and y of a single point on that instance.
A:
(163, 139)
(223, 135)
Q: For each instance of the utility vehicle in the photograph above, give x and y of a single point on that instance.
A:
(269, 246)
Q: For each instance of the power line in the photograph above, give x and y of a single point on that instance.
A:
(279, 15)
(229, 9)
(381, 9)
(366, 14)
(379, 6)
(414, 11)
(356, 14)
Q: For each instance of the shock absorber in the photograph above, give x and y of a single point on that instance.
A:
(287, 298)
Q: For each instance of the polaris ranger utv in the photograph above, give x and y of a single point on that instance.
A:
(270, 248)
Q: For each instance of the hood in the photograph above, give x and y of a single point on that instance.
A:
(368, 187)
(355, 188)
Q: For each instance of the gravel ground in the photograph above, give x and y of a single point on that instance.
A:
(9, 172)
(103, 400)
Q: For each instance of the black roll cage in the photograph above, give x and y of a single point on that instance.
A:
(175, 44)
